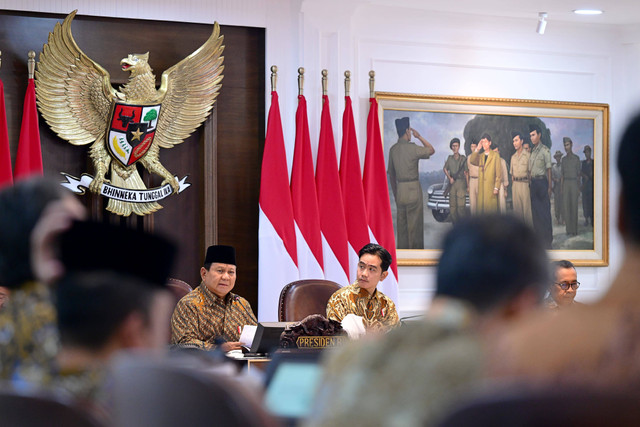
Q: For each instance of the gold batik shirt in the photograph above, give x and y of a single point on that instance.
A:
(201, 317)
(29, 340)
(377, 311)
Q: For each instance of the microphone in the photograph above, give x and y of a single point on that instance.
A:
(237, 299)
(404, 319)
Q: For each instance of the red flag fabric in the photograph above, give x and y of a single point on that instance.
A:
(29, 157)
(376, 194)
(6, 177)
(276, 234)
(352, 191)
(305, 200)
(332, 222)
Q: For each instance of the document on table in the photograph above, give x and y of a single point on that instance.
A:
(246, 337)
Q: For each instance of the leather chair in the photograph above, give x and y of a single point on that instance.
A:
(304, 297)
(36, 408)
(182, 392)
(178, 287)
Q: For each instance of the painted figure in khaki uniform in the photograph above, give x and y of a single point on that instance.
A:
(455, 168)
(489, 175)
(520, 178)
(570, 173)
(405, 184)
(473, 181)
(502, 191)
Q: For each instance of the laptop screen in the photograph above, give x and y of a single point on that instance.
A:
(292, 380)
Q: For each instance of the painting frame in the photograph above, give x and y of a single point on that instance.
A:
(586, 115)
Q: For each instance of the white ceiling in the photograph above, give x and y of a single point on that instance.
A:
(616, 12)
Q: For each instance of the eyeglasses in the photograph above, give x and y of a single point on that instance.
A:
(564, 286)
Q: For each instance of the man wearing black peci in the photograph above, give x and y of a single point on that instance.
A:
(211, 313)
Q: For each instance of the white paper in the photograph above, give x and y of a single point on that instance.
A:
(246, 337)
(354, 325)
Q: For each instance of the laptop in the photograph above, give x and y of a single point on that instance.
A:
(291, 383)
(267, 338)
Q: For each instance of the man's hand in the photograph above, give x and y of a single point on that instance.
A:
(415, 133)
(231, 345)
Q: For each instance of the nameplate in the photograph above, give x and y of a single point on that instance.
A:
(320, 342)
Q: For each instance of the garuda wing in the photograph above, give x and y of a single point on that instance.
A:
(188, 91)
(74, 93)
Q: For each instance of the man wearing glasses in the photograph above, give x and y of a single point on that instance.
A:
(565, 286)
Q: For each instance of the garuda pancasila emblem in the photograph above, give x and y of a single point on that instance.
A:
(126, 126)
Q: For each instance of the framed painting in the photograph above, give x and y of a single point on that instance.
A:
(574, 136)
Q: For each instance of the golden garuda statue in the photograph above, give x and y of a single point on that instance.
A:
(126, 126)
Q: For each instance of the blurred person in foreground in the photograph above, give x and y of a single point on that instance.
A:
(362, 298)
(596, 344)
(4, 295)
(564, 288)
(493, 269)
(31, 213)
(211, 314)
(108, 303)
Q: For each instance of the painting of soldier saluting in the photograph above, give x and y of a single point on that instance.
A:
(507, 149)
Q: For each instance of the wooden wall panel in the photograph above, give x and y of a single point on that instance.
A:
(221, 158)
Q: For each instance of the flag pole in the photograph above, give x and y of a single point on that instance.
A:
(372, 83)
(325, 73)
(31, 63)
(274, 77)
(347, 82)
(300, 81)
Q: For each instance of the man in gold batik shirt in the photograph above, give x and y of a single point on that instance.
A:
(211, 313)
(378, 311)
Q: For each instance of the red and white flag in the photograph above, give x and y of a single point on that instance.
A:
(376, 194)
(305, 200)
(6, 177)
(352, 192)
(332, 222)
(29, 157)
(276, 233)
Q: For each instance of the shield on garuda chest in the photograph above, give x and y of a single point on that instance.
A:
(131, 131)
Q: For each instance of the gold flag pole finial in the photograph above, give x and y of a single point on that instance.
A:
(372, 83)
(274, 77)
(300, 81)
(325, 73)
(31, 63)
(347, 82)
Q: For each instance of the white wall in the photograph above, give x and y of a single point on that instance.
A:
(417, 51)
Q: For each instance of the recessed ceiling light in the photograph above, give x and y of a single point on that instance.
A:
(588, 11)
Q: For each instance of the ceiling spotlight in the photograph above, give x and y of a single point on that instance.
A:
(588, 12)
(542, 22)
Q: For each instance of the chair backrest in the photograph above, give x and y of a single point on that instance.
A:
(178, 287)
(543, 407)
(304, 297)
(41, 409)
(159, 394)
